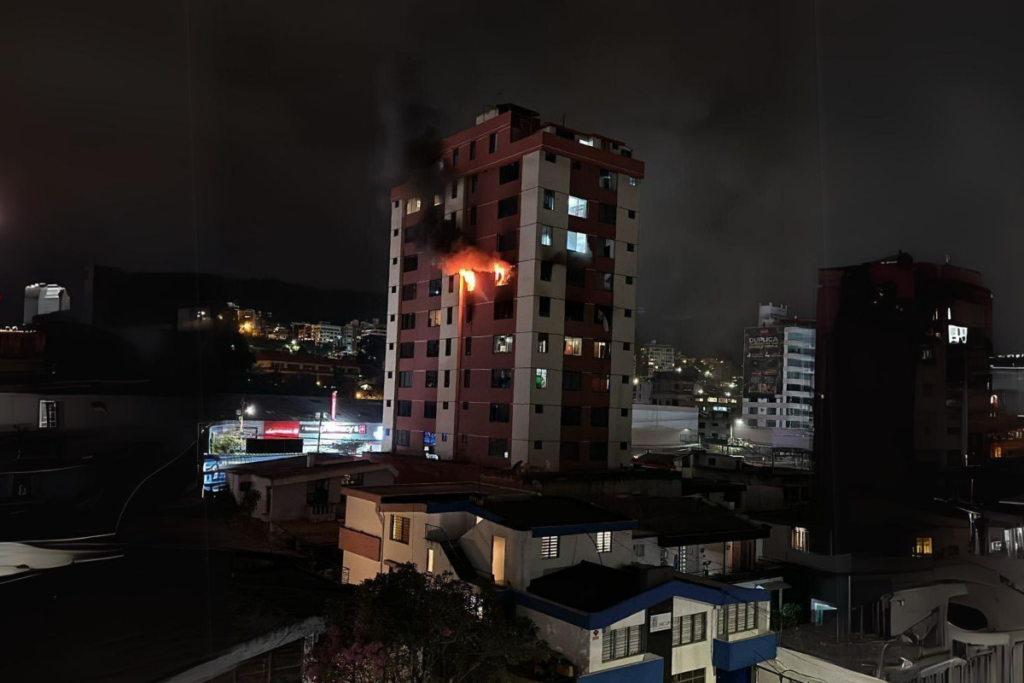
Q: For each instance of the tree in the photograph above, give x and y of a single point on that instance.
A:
(408, 626)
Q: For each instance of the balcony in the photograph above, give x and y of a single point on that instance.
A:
(324, 512)
(744, 650)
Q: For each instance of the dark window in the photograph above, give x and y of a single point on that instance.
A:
(538, 408)
(503, 310)
(625, 346)
(604, 281)
(492, 143)
(508, 173)
(576, 165)
(472, 150)
(410, 233)
(451, 284)
(430, 409)
(403, 408)
(629, 312)
(501, 378)
(407, 350)
(607, 179)
(408, 321)
(450, 314)
(575, 277)
(569, 450)
(537, 445)
(447, 378)
(508, 207)
(472, 215)
(473, 181)
(625, 379)
(598, 451)
(606, 213)
(632, 213)
(405, 378)
(455, 157)
(603, 316)
(629, 246)
(506, 241)
(469, 346)
(571, 416)
(546, 268)
(545, 307)
(572, 381)
(550, 157)
(574, 311)
(410, 263)
(625, 412)
(465, 406)
(549, 200)
(431, 380)
(466, 375)
(497, 447)
(500, 412)
(434, 287)
(448, 345)
(629, 279)
(408, 292)
(401, 437)
(455, 193)
(599, 418)
(607, 248)
(433, 347)
(622, 445)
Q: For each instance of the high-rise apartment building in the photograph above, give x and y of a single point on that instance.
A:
(655, 357)
(778, 381)
(512, 294)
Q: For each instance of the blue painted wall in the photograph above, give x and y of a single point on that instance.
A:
(651, 671)
(743, 654)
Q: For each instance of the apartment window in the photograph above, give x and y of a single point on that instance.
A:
(549, 547)
(572, 381)
(571, 416)
(434, 318)
(402, 437)
(575, 276)
(501, 378)
(629, 312)
(629, 279)
(472, 215)
(408, 321)
(620, 643)
(472, 150)
(603, 541)
(542, 342)
(574, 346)
(503, 343)
(630, 246)
(400, 527)
(541, 378)
(410, 263)
(405, 379)
(508, 207)
(413, 205)
(455, 157)
(569, 451)
(434, 287)
(550, 157)
(538, 408)
(537, 445)
(403, 408)
(492, 143)
(632, 181)
(598, 417)
(508, 173)
(608, 248)
(576, 241)
(574, 311)
(430, 410)
(604, 281)
(738, 617)
(469, 346)
(48, 414)
(447, 378)
(408, 292)
(544, 307)
(430, 381)
(503, 310)
(798, 538)
(448, 346)
(500, 412)
(406, 349)
(606, 213)
(922, 547)
(469, 313)
(451, 284)
(546, 270)
(549, 200)
(695, 676)
(433, 348)
(466, 374)
(577, 207)
(497, 447)
(546, 235)
(607, 180)
(631, 213)
(691, 628)
(345, 572)
(506, 241)
(600, 349)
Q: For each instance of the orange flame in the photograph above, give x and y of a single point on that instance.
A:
(502, 273)
(469, 277)
(469, 261)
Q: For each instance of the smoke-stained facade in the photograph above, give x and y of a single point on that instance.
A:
(510, 336)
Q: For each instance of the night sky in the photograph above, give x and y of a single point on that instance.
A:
(908, 128)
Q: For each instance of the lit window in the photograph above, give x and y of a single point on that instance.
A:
(546, 235)
(345, 573)
(632, 181)
(430, 560)
(577, 207)
(47, 414)
(603, 541)
(576, 241)
(400, 529)
(573, 346)
(589, 142)
(434, 318)
(600, 349)
(549, 547)
(437, 200)
(503, 343)
(413, 205)
(922, 547)
(542, 378)
(798, 539)
(542, 342)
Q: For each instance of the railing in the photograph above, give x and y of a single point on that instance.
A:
(322, 512)
(456, 557)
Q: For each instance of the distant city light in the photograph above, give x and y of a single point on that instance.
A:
(250, 409)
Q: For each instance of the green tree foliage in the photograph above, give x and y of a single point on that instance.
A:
(406, 626)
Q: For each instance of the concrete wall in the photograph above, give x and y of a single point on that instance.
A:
(694, 655)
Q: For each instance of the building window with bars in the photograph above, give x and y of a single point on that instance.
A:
(695, 676)
(619, 643)
(798, 539)
(691, 628)
(48, 417)
(400, 529)
(603, 541)
(737, 618)
(549, 547)
(344, 575)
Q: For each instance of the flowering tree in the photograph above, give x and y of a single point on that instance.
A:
(406, 626)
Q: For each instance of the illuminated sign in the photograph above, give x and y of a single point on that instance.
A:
(957, 334)
(660, 622)
(281, 429)
(720, 409)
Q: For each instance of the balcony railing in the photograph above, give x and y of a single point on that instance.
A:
(322, 512)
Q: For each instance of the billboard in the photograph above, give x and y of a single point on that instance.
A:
(762, 361)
